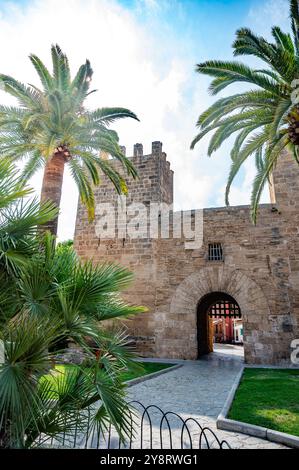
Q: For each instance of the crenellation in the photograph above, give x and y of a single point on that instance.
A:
(138, 150)
(123, 149)
(157, 148)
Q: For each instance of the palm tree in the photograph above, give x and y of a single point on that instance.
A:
(49, 297)
(51, 127)
(264, 119)
(60, 300)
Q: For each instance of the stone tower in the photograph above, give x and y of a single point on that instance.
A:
(154, 184)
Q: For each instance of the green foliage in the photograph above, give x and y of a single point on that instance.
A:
(259, 119)
(65, 244)
(138, 369)
(19, 217)
(50, 297)
(53, 117)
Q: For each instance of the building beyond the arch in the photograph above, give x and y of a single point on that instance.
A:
(259, 269)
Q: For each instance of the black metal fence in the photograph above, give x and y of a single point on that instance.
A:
(150, 428)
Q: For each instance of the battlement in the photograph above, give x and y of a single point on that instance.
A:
(154, 182)
(138, 150)
(155, 177)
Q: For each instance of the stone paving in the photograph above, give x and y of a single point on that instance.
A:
(199, 389)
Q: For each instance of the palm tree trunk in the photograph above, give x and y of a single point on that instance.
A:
(52, 187)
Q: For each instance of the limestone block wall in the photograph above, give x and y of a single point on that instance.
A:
(155, 184)
(254, 272)
(260, 268)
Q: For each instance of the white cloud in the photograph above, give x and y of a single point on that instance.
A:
(263, 15)
(140, 63)
(129, 70)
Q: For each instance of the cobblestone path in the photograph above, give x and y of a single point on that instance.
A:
(198, 389)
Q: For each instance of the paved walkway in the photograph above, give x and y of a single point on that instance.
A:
(199, 389)
(229, 350)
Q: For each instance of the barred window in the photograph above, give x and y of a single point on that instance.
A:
(215, 252)
(224, 309)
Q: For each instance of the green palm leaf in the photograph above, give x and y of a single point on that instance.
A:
(264, 172)
(268, 109)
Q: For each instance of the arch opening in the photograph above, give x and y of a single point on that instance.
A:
(219, 322)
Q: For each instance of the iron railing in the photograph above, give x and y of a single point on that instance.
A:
(150, 428)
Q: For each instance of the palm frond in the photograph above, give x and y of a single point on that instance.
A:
(227, 73)
(43, 73)
(271, 156)
(294, 13)
(25, 356)
(244, 101)
(283, 39)
(61, 69)
(236, 122)
(26, 96)
(279, 58)
(33, 164)
(252, 145)
(109, 115)
(114, 307)
(84, 187)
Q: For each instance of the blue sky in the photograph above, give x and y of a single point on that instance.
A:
(143, 53)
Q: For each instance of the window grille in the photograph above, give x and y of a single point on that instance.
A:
(215, 252)
(225, 310)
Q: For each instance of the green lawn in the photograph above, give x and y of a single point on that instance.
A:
(144, 368)
(148, 368)
(268, 398)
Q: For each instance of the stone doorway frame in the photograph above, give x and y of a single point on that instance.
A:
(204, 324)
(247, 293)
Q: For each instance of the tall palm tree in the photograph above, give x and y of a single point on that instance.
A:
(51, 127)
(49, 297)
(264, 119)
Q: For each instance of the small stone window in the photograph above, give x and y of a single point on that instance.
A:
(215, 252)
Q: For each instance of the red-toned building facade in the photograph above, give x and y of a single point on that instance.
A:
(227, 324)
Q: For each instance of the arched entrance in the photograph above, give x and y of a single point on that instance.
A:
(208, 280)
(219, 320)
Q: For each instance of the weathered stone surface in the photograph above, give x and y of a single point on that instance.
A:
(260, 268)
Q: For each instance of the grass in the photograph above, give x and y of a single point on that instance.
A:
(268, 398)
(148, 368)
(144, 368)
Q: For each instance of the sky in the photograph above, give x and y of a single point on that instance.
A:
(143, 53)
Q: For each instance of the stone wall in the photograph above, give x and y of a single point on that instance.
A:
(260, 268)
(155, 184)
(254, 272)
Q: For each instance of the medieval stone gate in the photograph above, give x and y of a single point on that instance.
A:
(219, 320)
(235, 284)
(257, 266)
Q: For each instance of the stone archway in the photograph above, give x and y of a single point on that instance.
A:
(215, 314)
(235, 283)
